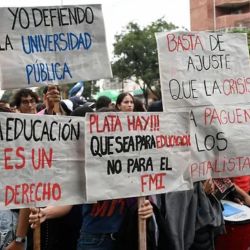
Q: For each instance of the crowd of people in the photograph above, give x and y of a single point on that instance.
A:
(180, 220)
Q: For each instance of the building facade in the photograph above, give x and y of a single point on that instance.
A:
(209, 15)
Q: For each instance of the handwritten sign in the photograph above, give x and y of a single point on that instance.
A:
(41, 160)
(203, 69)
(136, 154)
(209, 77)
(220, 138)
(59, 44)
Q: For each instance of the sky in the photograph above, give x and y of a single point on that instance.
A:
(118, 13)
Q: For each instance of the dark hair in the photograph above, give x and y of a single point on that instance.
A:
(45, 90)
(106, 109)
(77, 101)
(4, 108)
(138, 105)
(4, 102)
(66, 106)
(12, 104)
(81, 111)
(102, 101)
(121, 97)
(155, 106)
(24, 93)
(40, 106)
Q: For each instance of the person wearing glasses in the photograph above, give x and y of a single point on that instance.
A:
(25, 101)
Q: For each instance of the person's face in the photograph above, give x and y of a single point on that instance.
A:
(127, 104)
(52, 96)
(28, 105)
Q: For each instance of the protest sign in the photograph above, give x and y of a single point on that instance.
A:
(206, 74)
(136, 154)
(201, 68)
(220, 138)
(41, 159)
(59, 44)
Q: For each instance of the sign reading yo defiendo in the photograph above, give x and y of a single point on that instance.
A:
(60, 44)
(136, 154)
(41, 160)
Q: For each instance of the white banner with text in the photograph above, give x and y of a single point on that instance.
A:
(41, 160)
(136, 154)
(201, 68)
(59, 44)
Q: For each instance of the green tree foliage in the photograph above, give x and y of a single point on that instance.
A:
(8, 95)
(135, 53)
(90, 89)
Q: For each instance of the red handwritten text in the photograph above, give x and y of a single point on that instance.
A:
(172, 140)
(152, 181)
(236, 86)
(213, 167)
(39, 158)
(142, 123)
(183, 42)
(110, 123)
(27, 193)
(221, 116)
(18, 154)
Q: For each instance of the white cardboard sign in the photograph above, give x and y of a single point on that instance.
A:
(136, 154)
(201, 68)
(56, 44)
(41, 160)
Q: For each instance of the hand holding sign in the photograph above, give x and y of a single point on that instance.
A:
(53, 98)
(208, 186)
(145, 211)
(37, 216)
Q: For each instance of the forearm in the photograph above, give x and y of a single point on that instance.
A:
(242, 193)
(52, 212)
(23, 222)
